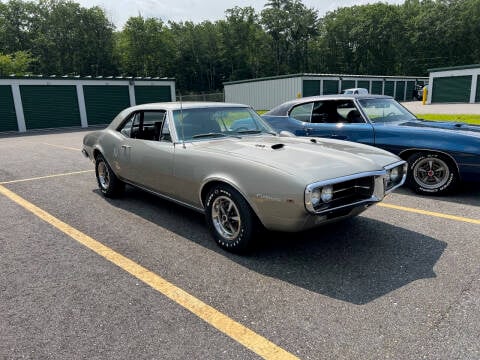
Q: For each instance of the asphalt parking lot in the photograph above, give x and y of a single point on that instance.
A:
(83, 277)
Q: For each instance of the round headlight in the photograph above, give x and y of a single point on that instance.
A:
(327, 193)
(394, 174)
(315, 197)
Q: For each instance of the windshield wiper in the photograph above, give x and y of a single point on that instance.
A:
(211, 134)
(248, 131)
(255, 132)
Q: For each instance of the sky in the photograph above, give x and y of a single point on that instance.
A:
(118, 11)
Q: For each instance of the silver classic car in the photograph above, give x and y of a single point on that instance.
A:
(225, 161)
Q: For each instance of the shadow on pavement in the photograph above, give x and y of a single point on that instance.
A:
(466, 194)
(357, 260)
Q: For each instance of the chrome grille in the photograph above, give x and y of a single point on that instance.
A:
(350, 192)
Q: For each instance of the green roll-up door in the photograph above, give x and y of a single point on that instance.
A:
(451, 89)
(400, 91)
(348, 84)
(8, 117)
(151, 94)
(311, 88)
(104, 102)
(389, 88)
(330, 87)
(410, 88)
(364, 84)
(477, 96)
(377, 87)
(50, 106)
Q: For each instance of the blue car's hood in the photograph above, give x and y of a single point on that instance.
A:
(444, 125)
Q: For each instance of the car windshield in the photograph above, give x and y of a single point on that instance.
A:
(385, 110)
(212, 122)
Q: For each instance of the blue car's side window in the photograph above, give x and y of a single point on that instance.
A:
(302, 112)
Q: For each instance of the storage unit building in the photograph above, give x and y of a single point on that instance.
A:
(265, 93)
(39, 103)
(459, 84)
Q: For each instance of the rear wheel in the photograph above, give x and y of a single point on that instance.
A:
(230, 219)
(430, 173)
(110, 185)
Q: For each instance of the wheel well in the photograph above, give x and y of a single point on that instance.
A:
(95, 153)
(407, 153)
(206, 188)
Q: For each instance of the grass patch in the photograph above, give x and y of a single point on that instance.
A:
(467, 118)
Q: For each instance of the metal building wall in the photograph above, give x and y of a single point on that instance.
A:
(455, 84)
(40, 103)
(264, 94)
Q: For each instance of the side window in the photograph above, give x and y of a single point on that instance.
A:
(349, 111)
(131, 126)
(144, 125)
(152, 125)
(325, 112)
(343, 111)
(302, 112)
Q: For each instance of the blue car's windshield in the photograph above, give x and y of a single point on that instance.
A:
(381, 110)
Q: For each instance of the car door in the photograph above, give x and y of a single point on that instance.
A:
(145, 155)
(337, 119)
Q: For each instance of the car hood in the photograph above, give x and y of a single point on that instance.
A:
(311, 159)
(444, 125)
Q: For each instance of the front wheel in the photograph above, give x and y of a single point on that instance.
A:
(110, 185)
(230, 219)
(430, 173)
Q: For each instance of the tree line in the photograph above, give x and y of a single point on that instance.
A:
(63, 38)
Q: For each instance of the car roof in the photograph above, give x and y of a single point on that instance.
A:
(177, 105)
(283, 109)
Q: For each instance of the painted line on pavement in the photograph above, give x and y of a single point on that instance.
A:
(238, 332)
(45, 177)
(63, 147)
(430, 213)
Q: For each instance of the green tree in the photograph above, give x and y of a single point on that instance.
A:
(245, 51)
(18, 22)
(145, 48)
(292, 27)
(72, 40)
(17, 63)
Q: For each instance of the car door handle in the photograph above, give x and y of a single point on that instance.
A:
(126, 147)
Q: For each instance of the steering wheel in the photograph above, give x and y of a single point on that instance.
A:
(390, 114)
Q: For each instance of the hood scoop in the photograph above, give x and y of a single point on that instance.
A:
(274, 146)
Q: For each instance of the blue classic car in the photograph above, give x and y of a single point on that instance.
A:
(440, 154)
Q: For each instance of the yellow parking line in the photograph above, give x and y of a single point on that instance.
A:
(248, 338)
(45, 177)
(430, 213)
(62, 147)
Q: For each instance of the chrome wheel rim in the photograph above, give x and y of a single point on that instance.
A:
(431, 173)
(226, 218)
(103, 175)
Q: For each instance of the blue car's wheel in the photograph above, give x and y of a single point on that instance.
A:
(431, 173)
